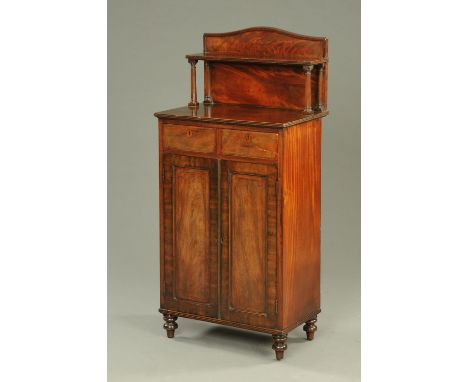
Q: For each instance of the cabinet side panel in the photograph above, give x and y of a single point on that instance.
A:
(162, 289)
(301, 222)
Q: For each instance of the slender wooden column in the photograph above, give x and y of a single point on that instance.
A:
(193, 83)
(308, 88)
(208, 98)
(319, 104)
(208, 110)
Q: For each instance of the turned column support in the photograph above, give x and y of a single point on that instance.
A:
(279, 345)
(308, 88)
(170, 325)
(193, 83)
(208, 99)
(319, 105)
(310, 328)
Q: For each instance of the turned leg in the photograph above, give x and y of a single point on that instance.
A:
(170, 325)
(310, 328)
(279, 345)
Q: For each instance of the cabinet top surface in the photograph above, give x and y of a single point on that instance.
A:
(241, 115)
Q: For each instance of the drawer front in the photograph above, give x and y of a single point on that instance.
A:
(249, 144)
(189, 138)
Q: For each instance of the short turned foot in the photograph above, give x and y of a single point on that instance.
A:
(310, 328)
(279, 345)
(170, 325)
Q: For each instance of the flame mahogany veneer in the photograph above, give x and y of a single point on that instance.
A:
(240, 186)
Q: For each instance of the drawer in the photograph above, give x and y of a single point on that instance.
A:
(189, 138)
(249, 144)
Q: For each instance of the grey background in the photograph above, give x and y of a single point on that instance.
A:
(147, 72)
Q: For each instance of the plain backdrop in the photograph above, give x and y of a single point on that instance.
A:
(147, 72)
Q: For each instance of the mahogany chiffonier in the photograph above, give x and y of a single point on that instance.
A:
(240, 186)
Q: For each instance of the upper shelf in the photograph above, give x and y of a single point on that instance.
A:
(263, 67)
(224, 57)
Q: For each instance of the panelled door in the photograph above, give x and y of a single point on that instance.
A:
(190, 221)
(249, 243)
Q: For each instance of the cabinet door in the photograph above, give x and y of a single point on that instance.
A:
(249, 243)
(190, 264)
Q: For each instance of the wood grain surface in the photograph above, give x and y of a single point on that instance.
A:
(266, 85)
(192, 233)
(189, 138)
(265, 42)
(249, 250)
(240, 115)
(250, 144)
(301, 221)
(248, 221)
(190, 225)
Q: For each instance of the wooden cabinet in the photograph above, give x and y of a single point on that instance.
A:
(240, 187)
